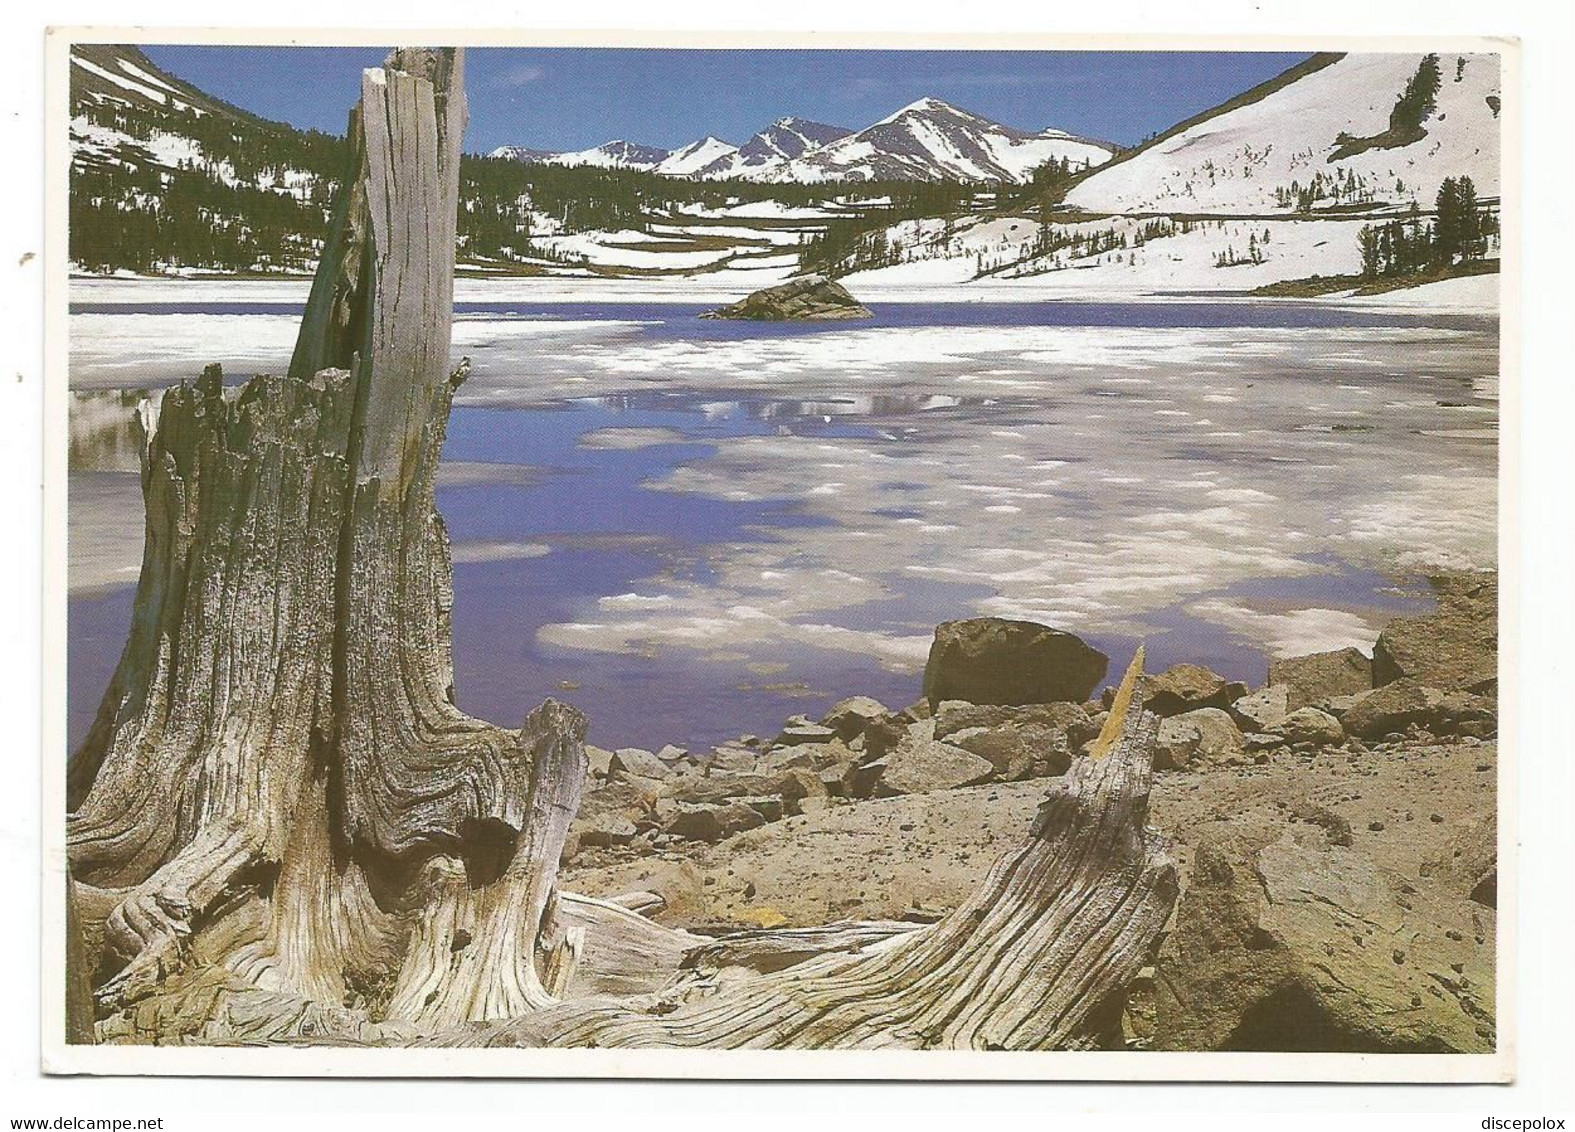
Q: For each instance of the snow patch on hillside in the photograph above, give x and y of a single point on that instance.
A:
(695, 157)
(1247, 159)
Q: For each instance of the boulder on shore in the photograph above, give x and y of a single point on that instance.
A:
(799, 730)
(638, 761)
(1034, 741)
(990, 660)
(809, 298)
(1311, 679)
(1306, 944)
(1404, 703)
(1454, 648)
(712, 823)
(851, 716)
(1204, 737)
(1262, 709)
(920, 765)
(1310, 725)
(1187, 687)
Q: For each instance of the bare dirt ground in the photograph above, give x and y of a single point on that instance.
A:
(886, 858)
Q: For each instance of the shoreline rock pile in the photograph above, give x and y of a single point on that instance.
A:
(1308, 928)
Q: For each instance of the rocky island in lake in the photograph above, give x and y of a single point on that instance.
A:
(812, 298)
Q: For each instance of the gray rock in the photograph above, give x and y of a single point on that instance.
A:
(1317, 676)
(1177, 745)
(712, 823)
(797, 784)
(808, 756)
(809, 298)
(1262, 709)
(713, 788)
(920, 766)
(1187, 687)
(1454, 648)
(1017, 753)
(956, 716)
(732, 760)
(799, 730)
(919, 709)
(1309, 725)
(1032, 741)
(648, 787)
(769, 806)
(601, 831)
(884, 733)
(1404, 703)
(849, 718)
(1308, 945)
(989, 660)
(858, 779)
(599, 760)
(636, 761)
(1219, 739)
(1337, 706)
(609, 815)
(672, 754)
(1470, 862)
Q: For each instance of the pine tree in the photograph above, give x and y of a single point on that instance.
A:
(1371, 261)
(1458, 229)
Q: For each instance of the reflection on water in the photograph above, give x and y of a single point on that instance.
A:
(691, 530)
(105, 435)
(797, 414)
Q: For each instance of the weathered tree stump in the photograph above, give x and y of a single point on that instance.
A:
(282, 718)
(284, 830)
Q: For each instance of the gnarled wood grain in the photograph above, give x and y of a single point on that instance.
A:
(1028, 962)
(289, 663)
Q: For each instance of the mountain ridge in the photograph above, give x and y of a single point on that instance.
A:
(929, 139)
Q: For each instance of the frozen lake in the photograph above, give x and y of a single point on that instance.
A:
(692, 529)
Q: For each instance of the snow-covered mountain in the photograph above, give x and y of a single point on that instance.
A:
(786, 139)
(696, 157)
(616, 154)
(773, 147)
(928, 140)
(121, 75)
(1323, 139)
(710, 157)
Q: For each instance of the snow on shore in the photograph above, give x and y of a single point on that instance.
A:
(935, 281)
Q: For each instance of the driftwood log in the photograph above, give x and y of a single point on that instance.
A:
(282, 828)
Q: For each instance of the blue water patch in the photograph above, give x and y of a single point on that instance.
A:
(611, 532)
(681, 321)
(96, 630)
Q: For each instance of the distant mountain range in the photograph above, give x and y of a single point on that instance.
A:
(928, 140)
(781, 142)
(167, 178)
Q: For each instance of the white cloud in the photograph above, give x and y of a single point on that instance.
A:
(522, 75)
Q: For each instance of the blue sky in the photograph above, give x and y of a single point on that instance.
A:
(562, 99)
